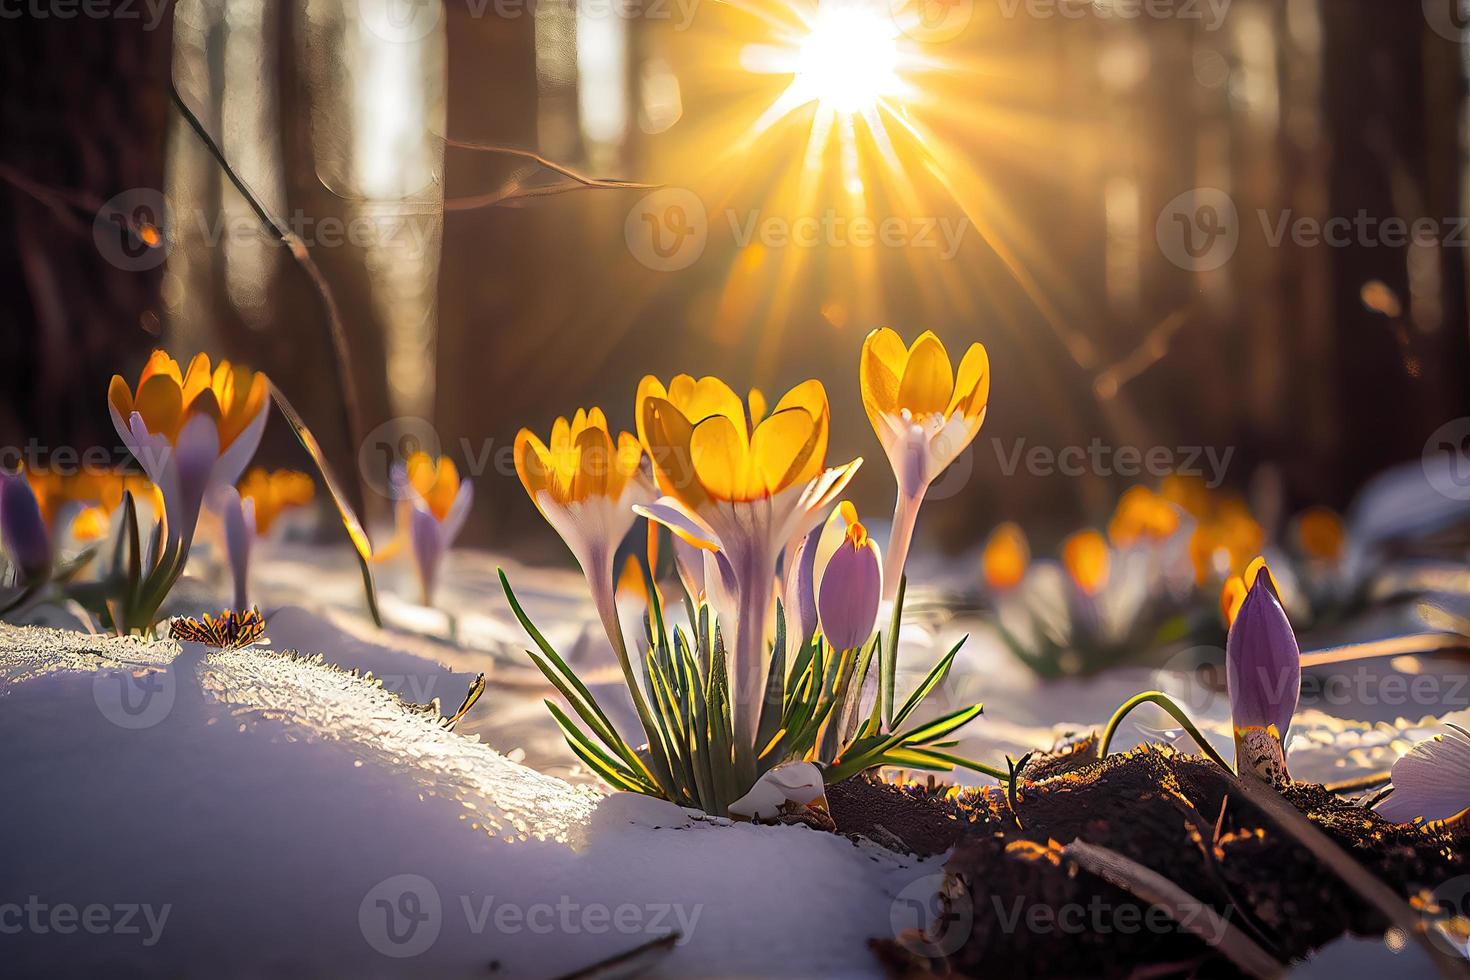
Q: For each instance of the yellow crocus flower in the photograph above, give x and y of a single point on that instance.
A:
(747, 487)
(191, 431)
(925, 413)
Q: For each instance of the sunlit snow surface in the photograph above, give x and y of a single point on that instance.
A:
(274, 815)
(297, 819)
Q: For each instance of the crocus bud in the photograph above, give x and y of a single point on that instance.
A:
(849, 587)
(1264, 674)
(22, 531)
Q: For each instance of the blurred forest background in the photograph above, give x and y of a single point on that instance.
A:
(482, 309)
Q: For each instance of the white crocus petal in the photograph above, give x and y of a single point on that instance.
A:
(194, 456)
(152, 451)
(799, 593)
(672, 514)
(237, 454)
(689, 560)
(428, 549)
(459, 512)
(1431, 781)
(790, 787)
(239, 521)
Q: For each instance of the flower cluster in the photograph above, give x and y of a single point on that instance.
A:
(783, 603)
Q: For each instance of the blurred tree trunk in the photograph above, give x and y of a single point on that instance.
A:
(1391, 87)
(83, 119)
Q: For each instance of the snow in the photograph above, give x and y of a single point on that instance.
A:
(255, 823)
(260, 805)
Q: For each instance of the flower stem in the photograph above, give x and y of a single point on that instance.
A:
(1168, 704)
(598, 569)
(905, 516)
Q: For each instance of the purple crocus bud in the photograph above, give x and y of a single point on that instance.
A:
(849, 589)
(1263, 672)
(1432, 780)
(22, 531)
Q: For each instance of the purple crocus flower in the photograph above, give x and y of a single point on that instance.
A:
(1263, 672)
(849, 587)
(1432, 780)
(22, 531)
(439, 502)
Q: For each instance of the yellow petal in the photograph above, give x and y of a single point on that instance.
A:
(533, 464)
(444, 488)
(198, 378)
(721, 458)
(243, 404)
(1232, 595)
(161, 403)
(120, 396)
(781, 451)
(160, 363)
(880, 371)
(972, 383)
(757, 403)
(625, 464)
(649, 387)
(667, 438)
(928, 378)
(594, 464)
(710, 396)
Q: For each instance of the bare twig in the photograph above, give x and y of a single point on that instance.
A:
(1192, 914)
(516, 190)
(346, 384)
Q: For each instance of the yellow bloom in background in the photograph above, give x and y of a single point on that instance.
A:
(270, 493)
(1006, 557)
(1320, 534)
(925, 413)
(1225, 540)
(1142, 516)
(1236, 588)
(88, 498)
(746, 486)
(439, 504)
(1088, 561)
(190, 430)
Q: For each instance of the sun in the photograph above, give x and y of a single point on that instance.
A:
(849, 61)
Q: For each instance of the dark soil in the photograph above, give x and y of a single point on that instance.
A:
(1033, 913)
